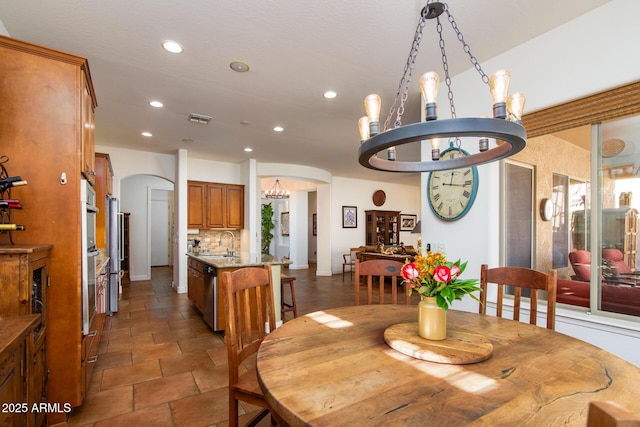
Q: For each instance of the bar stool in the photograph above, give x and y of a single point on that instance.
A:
(284, 306)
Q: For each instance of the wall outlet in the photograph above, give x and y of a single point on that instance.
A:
(436, 247)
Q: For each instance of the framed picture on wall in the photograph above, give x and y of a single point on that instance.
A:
(407, 222)
(349, 217)
(284, 223)
(315, 224)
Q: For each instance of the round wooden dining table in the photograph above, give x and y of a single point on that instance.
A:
(333, 368)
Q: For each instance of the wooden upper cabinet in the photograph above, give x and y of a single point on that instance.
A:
(88, 131)
(216, 201)
(103, 187)
(195, 206)
(235, 206)
(214, 205)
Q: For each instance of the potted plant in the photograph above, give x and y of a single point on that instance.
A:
(267, 226)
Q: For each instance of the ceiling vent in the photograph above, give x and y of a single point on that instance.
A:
(199, 118)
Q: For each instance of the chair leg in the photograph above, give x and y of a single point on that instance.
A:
(284, 306)
(233, 410)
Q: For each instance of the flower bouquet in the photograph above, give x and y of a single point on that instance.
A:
(432, 276)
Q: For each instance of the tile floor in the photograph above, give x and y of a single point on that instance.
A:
(160, 365)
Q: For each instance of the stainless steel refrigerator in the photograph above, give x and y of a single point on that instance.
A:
(115, 251)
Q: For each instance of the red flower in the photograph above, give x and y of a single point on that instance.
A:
(410, 272)
(442, 274)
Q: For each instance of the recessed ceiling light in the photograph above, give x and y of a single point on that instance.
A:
(147, 134)
(156, 104)
(330, 94)
(245, 122)
(278, 128)
(172, 46)
(248, 149)
(239, 66)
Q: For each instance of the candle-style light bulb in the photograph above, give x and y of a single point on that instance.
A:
(515, 106)
(429, 86)
(363, 127)
(372, 107)
(391, 154)
(435, 149)
(499, 84)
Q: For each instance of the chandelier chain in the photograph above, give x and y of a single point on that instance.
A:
(465, 46)
(403, 88)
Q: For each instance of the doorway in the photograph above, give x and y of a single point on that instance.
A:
(161, 220)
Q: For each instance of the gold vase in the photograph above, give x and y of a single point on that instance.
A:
(432, 320)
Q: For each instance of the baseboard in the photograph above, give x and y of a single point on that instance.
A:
(138, 278)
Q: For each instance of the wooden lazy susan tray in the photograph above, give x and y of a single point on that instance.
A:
(459, 348)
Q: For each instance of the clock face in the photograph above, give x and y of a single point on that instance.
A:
(451, 192)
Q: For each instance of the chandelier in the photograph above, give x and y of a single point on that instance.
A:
(505, 126)
(277, 191)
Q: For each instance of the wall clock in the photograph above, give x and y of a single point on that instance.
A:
(451, 193)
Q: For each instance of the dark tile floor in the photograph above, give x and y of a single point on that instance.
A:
(160, 365)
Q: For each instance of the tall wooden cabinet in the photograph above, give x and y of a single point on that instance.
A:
(382, 227)
(46, 130)
(214, 205)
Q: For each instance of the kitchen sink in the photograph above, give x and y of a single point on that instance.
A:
(215, 256)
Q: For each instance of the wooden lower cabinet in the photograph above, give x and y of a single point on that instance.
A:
(90, 344)
(195, 284)
(19, 364)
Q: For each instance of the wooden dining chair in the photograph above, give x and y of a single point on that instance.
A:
(520, 278)
(379, 271)
(349, 260)
(248, 303)
(610, 414)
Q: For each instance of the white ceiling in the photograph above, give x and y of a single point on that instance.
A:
(296, 49)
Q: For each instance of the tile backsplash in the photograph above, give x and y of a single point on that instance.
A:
(209, 241)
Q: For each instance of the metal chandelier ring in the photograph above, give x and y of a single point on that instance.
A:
(513, 135)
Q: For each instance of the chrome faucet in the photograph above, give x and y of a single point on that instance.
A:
(232, 251)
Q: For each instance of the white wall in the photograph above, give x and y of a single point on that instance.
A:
(358, 193)
(590, 54)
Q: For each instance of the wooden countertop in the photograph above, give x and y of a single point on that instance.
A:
(22, 249)
(333, 368)
(13, 327)
(242, 260)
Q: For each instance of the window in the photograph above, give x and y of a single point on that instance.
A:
(518, 224)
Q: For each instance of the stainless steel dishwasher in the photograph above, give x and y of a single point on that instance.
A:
(210, 314)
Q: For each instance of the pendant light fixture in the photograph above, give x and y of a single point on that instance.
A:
(505, 126)
(277, 191)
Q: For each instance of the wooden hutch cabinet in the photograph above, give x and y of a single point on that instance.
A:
(16, 356)
(382, 227)
(24, 281)
(47, 131)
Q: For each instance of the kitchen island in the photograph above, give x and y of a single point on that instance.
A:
(205, 282)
